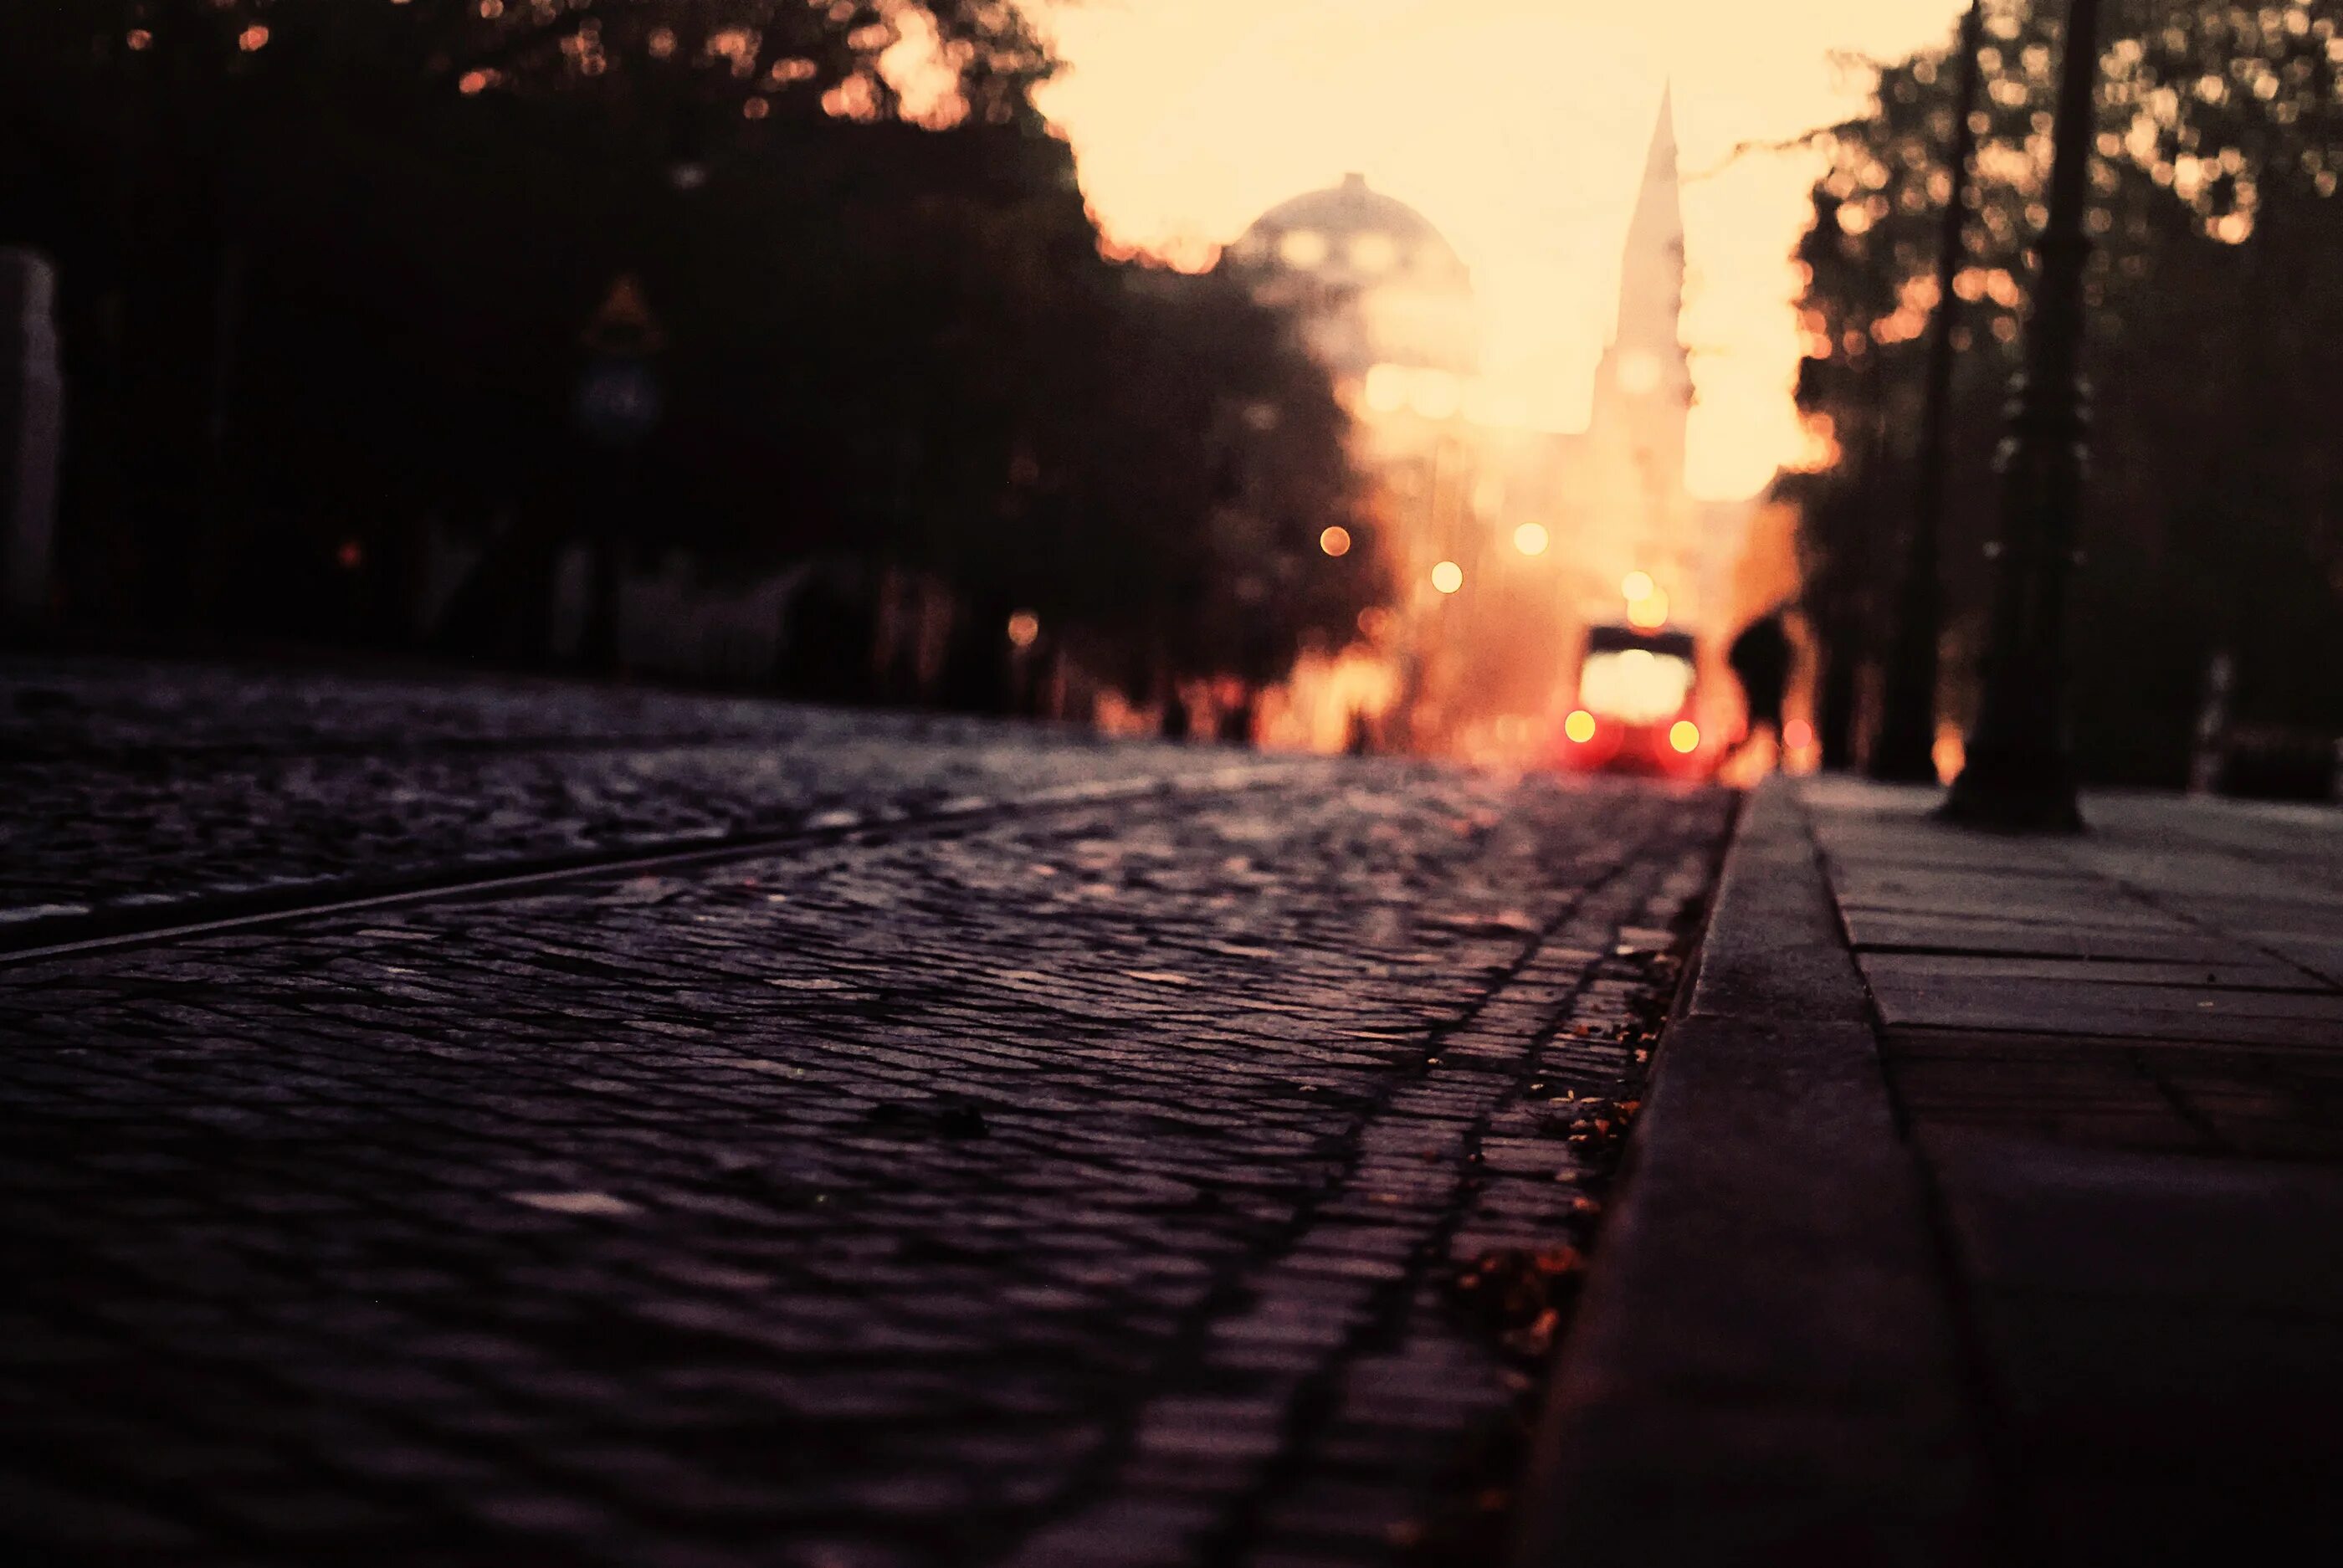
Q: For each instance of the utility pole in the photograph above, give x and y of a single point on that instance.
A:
(2020, 770)
(1905, 750)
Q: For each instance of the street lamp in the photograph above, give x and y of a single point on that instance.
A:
(1905, 750)
(2019, 774)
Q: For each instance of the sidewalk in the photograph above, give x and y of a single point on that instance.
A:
(1988, 1207)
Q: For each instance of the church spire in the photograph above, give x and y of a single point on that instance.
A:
(1650, 272)
(1642, 386)
(1661, 162)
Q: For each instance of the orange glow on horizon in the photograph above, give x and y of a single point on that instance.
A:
(1518, 128)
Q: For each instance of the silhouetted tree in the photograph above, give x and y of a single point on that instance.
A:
(2215, 514)
(328, 263)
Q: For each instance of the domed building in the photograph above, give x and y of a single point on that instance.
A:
(1384, 303)
(1375, 283)
(1509, 541)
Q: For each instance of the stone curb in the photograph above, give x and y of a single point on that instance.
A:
(1764, 1367)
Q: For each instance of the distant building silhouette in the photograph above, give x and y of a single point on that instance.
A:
(1631, 464)
(1375, 282)
(1388, 306)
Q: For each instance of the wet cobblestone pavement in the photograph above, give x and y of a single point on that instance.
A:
(117, 792)
(1182, 1178)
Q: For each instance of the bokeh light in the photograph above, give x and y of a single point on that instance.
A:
(1531, 538)
(1335, 541)
(1448, 576)
(1024, 629)
(1649, 612)
(1685, 736)
(1579, 726)
(1387, 389)
(1304, 248)
(1639, 372)
(1636, 585)
(1435, 393)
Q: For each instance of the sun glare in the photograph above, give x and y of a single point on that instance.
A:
(1519, 127)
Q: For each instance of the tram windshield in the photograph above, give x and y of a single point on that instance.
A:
(1635, 677)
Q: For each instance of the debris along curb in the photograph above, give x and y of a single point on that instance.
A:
(1764, 1366)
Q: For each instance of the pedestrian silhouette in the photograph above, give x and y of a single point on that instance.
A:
(1760, 661)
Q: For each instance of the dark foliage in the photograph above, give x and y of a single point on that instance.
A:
(328, 267)
(2215, 513)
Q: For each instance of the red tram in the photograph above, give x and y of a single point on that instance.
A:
(1634, 713)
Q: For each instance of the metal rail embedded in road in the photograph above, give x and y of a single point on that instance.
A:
(199, 915)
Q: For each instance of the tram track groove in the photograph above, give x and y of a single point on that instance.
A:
(101, 929)
(18, 751)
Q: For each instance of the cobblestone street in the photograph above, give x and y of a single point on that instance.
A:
(1041, 1151)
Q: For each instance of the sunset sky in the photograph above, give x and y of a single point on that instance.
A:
(1519, 127)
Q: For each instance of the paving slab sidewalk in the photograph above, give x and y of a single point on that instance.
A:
(1988, 1206)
